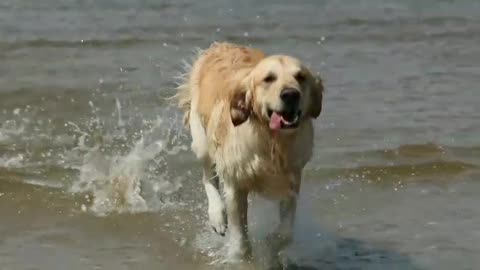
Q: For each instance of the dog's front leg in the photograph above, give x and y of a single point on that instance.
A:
(283, 235)
(287, 210)
(237, 210)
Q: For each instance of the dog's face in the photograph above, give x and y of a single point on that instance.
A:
(280, 92)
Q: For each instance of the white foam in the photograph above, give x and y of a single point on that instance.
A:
(12, 162)
(11, 128)
(128, 182)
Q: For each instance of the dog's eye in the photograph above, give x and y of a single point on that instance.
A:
(270, 78)
(300, 77)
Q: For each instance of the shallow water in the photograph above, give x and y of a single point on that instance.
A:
(95, 171)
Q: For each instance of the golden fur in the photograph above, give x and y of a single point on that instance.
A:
(226, 98)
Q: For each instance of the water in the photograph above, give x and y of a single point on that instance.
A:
(95, 171)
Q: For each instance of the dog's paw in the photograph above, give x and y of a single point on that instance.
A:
(218, 220)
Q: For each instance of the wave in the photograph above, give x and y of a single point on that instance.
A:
(434, 21)
(263, 33)
(421, 152)
(427, 169)
(410, 162)
(35, 43)
(435, 172)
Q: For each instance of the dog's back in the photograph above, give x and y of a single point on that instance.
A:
(214, 76)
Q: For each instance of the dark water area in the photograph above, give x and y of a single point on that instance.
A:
(95, 167)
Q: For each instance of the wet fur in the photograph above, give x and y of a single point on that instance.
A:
(224, 110)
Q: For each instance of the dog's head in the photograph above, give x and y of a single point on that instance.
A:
(280, 92)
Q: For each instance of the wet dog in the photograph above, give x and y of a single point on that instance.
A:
(250, 117)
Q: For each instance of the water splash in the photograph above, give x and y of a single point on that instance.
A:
(125, 169)
(12, 162)
(116, 156)
(11, 128)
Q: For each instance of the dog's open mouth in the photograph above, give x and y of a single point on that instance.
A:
(283, 120)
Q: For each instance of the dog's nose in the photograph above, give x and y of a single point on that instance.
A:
(290, 96)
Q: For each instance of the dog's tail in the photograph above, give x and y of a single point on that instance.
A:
(184, 100)
(183, 97)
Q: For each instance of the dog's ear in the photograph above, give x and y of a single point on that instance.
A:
(240, 105)
(316, 96)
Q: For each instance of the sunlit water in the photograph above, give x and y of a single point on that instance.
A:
(95, 167)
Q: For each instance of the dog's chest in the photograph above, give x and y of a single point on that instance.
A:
(272, 181)
(253, 162)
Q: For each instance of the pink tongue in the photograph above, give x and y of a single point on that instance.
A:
(275, 121)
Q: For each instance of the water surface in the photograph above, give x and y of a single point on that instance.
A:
(95, 169)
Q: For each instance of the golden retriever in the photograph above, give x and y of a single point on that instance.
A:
(250, 117)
